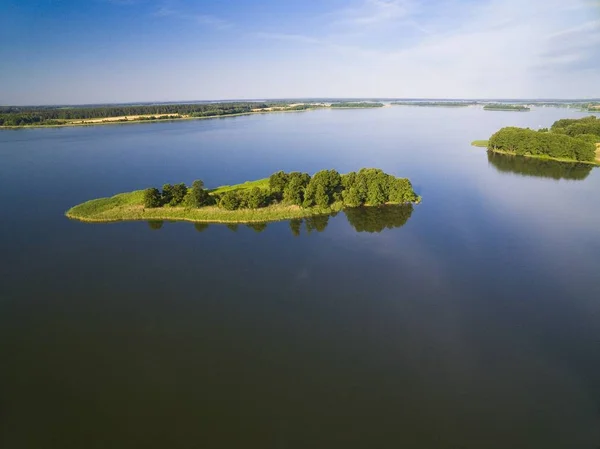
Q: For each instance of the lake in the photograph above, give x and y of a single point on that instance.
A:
(469, 321)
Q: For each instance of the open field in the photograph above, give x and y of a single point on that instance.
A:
(480, 143)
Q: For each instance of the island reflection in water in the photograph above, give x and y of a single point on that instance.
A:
(529, 166)
(362, 219)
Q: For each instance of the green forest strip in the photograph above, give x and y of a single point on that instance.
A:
(444, 104)
(282, 196)
(480, 143)
(505, 107)
(34, 117)
(356, 105)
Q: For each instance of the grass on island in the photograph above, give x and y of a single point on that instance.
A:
(260, 183)
(480, 143)
(130, 206)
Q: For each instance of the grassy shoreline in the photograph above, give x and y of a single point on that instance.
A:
(208, 214)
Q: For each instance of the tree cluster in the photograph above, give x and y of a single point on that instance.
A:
(369, 186)
(178, 195)
(525, 142)
(245, 199)
(587, 127)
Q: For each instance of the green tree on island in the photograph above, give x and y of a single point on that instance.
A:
(293, 192)
(256, 198)
(277, 183)
(197, 196)
(152, 197)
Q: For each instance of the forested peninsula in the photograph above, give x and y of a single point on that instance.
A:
(282, 196)
(567, 140)
(52, 116)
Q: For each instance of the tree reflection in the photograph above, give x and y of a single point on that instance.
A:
(316, 223)
(232, 226)
(201, 227)
(529, 166)
(295, 226)
(258, 227)
(378, 218)
(362, 219)
(155, 224)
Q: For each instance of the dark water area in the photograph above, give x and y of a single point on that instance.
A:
(471, 320)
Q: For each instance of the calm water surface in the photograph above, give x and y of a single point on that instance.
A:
(472, 321)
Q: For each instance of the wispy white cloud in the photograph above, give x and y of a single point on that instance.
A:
(490, 48)
(374, 12)
(200, 19)
(288, 37)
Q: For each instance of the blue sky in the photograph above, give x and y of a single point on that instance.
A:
(100, 51)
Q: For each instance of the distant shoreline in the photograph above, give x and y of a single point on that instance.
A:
(130, 122)
(122, 120)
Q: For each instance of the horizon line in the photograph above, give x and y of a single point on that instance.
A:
(314, 99)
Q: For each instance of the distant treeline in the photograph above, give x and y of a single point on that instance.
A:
(505, 107)
(362, 104)
(434, 103)
(35, 115)
(368, 186)
(567, 139)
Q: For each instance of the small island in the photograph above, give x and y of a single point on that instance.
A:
(567, 140)
(506, 107)
(356, 104)
(443, 104)
(282, 196)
